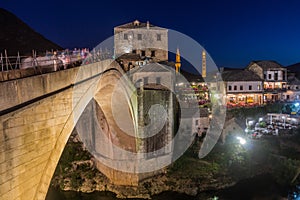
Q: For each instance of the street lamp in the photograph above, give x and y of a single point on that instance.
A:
(241, 140)
(283, 117)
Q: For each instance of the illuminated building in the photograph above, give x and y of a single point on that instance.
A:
(141, 39)
(293, 90)
(274, 76)
(243, 87)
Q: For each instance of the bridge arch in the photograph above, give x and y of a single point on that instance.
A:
(33, 136)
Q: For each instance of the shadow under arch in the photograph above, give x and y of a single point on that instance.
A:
(84, 92)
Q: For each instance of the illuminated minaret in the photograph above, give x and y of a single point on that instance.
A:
(178, 63)
(203, 64)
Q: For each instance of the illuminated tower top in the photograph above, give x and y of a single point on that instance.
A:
(203, 64)
(178, 63)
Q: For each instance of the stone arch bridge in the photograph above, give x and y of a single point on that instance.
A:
(38, 114)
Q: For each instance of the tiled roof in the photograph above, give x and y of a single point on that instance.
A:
(241, 123)
(191, 77)
(294, 67)
(240, 75)
(294, 81)
(137, 24)
(154, 67)
(267, 64)
(130, 56)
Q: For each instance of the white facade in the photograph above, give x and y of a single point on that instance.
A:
(275, 75)
(243, 86)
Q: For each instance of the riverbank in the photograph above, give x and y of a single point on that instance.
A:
(261, 187)
(226, 165)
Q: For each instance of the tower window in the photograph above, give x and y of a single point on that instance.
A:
(139, 36)
(229, 87)
(250, 87)
(152, 53)
(270, 76)
(134, 51)
(235, 87)
(125, 36)
(143, 53)
(158, 37)
(241, 87)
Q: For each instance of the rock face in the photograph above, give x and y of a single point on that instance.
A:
(77, 171)
(16, 36)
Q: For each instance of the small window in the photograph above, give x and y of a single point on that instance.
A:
(145, 80)
(297, 88)
(134, 51)
(241, 87)
(270, 76)
(152, 53)
(229, 87)
(158, 37)
(139, 36)
(143, 53)
(250, 87)
(276, 76)
(125, 36)
(158, 79)
(235, 87)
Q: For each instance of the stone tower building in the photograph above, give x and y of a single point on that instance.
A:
(143, 39)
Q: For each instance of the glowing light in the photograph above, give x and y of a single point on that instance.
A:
(241, 140)
(251, 122)
(296, 104)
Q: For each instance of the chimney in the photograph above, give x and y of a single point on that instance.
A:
(221, 69)
(148, 25)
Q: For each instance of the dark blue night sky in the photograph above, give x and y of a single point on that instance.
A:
(233, 32)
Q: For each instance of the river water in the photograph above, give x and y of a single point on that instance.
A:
(258, 188)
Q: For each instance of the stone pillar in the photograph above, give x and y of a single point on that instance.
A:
(170, 122)
(141, 123)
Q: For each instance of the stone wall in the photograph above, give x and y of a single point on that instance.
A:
(32, 137)
(147, 43)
